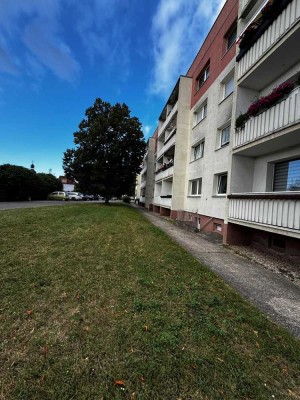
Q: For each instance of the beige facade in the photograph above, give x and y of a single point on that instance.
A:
(147, 176)
(172, 149)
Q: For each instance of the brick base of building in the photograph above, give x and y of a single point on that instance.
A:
(269, 242)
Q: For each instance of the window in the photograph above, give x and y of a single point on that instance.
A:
(225, 136)
(196, 187)
(203, 77)
(230, 38)
(198, 151)
(200, 114)
(287, 176)
(222, 184)
(228, 87)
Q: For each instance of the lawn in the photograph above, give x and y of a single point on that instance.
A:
(96, 303)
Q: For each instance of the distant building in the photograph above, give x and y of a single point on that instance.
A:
(68, 183)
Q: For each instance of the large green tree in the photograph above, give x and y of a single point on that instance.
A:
(109, 148)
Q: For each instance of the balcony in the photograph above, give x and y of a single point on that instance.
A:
(164, 174)
(163, 201)
(168, 120)
(166, 147)
(281, 116)
(277, 212)
(282, 57)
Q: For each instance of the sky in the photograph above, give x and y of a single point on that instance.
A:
(58, 56)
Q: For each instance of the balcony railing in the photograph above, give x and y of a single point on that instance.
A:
(279, 210)
(275, 31)
(163, 201)
(166, 147)
(165, 174)
(281, 115)
(168, 119)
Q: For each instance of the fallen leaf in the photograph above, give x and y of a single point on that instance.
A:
(29, 312)
(220, 359)
(146, 328)
(119, 383)
(142, 379)
(45, 350)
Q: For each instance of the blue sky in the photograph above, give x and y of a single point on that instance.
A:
(57, 56)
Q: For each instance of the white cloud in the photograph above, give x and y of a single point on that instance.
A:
(35, 24)
(178, 30)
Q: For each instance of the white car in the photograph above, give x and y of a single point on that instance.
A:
(75, 195)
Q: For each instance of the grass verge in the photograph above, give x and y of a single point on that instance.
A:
(96, 303)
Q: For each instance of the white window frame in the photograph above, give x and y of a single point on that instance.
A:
(196, 155)
(231, 33)
(202, 78)
(198, 187)
(200, 113)
(219, 180)
(225, 86)
(225, 133)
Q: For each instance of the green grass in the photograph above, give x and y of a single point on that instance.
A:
(91, 294)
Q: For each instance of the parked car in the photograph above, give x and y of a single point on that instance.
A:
(75, 196)
(58, 196)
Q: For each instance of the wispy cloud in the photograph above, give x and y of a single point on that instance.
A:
(32, 27)
(36, 30)
(178, 29)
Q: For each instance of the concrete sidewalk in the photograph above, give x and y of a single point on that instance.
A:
(273, 294)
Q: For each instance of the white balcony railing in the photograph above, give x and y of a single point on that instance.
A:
(168, 120)
(279, 210)
(282, 115)
(164, 174)
(163, 201)
(166, 147)
(279, 27)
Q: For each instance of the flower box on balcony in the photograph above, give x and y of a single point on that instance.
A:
(256, 29)
(264, 103)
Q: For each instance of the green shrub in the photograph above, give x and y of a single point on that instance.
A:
(126, 199)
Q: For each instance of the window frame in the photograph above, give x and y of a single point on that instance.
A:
(202, 111)
(232, 30)
(219, 179)
(203, 76)
(198, 187)
(288, 183)
(225, 83)
(199, 145)
(225, 143)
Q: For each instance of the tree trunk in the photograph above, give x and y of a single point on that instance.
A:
(106, 200)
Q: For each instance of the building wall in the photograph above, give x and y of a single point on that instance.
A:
(214, 49)
(215, 158)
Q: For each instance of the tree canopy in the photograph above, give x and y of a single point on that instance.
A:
(19, 183)
(109, 148)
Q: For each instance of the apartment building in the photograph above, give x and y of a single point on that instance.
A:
(264, 183)
(194, 133)
(147, 174)
(227, 155)
(171, 150)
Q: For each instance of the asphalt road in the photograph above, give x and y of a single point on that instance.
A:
(34, 204)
